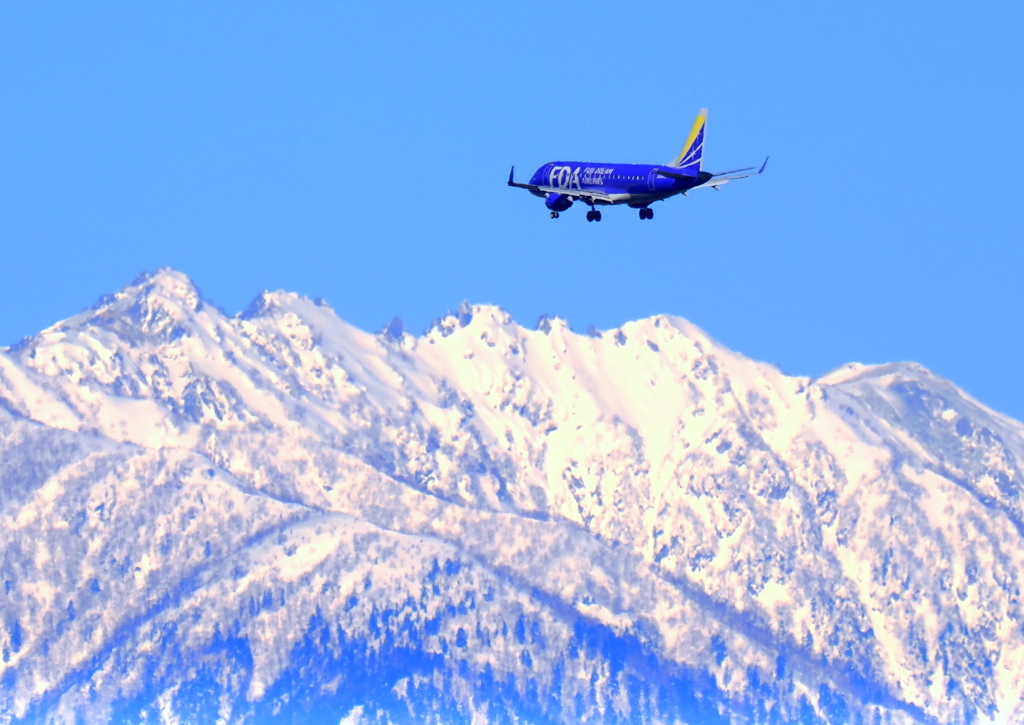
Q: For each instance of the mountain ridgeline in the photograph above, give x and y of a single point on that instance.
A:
(276, 517)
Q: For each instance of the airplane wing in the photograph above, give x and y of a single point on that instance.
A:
(532, 188)
(726, 176)
(716, 180)
(588, 196)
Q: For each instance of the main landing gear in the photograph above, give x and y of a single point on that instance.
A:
(646, 213)
(593, 215)
(554, 215)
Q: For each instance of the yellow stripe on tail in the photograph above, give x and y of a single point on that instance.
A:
(688, 149)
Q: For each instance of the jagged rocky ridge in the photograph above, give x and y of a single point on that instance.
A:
(278, 517)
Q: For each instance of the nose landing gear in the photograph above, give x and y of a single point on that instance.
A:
(646, 213)
(554, 215)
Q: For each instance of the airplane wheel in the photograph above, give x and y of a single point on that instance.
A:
(643, 213)
(554, 215)
(650, 213)
(590, 216)
(597, 216)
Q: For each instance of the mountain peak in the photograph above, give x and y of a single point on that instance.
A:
(153, 303)
(269, 303)
(165, 283)
(854, 372)
(464, 315)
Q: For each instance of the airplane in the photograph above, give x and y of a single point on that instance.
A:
(637, 185)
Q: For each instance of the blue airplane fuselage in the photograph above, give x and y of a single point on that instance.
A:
(635, 185)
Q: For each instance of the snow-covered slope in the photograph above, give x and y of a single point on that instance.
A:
(276, 516)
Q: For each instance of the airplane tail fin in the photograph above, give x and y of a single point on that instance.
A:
(693, 150)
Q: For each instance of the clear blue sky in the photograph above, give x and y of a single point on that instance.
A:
(359, 152)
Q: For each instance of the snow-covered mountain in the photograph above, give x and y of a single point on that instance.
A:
(276, 517)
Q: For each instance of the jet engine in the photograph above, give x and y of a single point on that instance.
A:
(558, 202)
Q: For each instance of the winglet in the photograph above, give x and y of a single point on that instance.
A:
(513, 173)
(761, 170)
